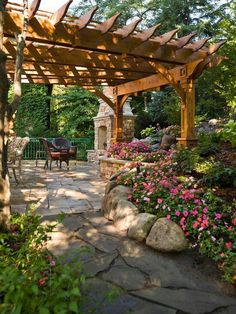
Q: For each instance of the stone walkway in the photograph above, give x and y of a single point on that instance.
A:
(143, 281)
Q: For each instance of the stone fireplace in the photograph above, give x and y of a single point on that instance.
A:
(104, 127)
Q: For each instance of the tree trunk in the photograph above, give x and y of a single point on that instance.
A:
(6, 110)
(4, 88)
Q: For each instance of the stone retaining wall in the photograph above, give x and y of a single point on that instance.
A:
(161, 234)
(110, 166)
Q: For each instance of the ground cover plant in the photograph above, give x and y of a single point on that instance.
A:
(31, 279)
(207, 220)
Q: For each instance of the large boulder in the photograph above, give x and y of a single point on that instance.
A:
(166, 236)
(167, 140)
(111, 200)
(124, 215)
(141, 225)
(110, 185)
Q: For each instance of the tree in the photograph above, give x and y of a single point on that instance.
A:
(73, 109)
(7, 110)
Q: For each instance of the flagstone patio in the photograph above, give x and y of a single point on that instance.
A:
(143, 280)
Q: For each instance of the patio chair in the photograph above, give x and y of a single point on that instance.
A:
(16, 149)
(61, 143)
(54, 153)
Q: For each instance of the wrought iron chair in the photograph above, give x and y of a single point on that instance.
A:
(16, 149)
(62, 143)
(53, 153)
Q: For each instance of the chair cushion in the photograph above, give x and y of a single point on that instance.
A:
(55, 154)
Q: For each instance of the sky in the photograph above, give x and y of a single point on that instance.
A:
(47, 5)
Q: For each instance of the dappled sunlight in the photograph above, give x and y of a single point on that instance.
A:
(55, 191)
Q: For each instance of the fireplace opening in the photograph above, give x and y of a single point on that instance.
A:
(102, 137)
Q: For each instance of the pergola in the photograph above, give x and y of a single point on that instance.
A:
(67, 50)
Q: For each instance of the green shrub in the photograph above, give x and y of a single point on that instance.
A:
(186, 160)
(229, 132)
(31, 279)
(220, 175)
(204, 218)
(208, 144)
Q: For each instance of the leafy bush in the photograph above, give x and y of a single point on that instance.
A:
(205, 220)
(220, 175)
(186, 160)
(149, 131)
(229, 132)
(31, 279)
(208, 144)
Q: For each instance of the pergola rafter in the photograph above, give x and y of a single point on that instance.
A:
(62, 49)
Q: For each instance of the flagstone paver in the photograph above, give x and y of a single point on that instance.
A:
(143, 281)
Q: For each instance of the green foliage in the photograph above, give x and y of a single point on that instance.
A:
(204, 218)
(208, 144)
(149, 131)
(220, 175)
(32, 114)
(186, 160)
(73, 111)
(229, 132)
(31, 279)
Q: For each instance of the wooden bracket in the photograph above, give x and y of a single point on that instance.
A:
(105, 98)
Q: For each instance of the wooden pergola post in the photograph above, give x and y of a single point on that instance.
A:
(188, 134)
(118, 123)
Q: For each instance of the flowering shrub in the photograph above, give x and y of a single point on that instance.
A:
(137, 151)
(127, 151)
(31, 279)
(205, 220)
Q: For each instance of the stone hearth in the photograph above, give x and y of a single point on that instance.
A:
(104, 127)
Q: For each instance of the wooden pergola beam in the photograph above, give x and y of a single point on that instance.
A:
(34, 8)
(85, 19)
(41, 30)
(128, 29)
(156, 81)
(59, 15)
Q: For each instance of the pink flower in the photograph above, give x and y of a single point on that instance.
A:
(52, 263)
(42, 282)
(146, 199)
(205, 222)
(228, 245)
(168, 217)
(205, 210)
(217, 216)
(185, 213)
(196, 201)
(195, 224)
(234, 221)
(159, 201)
(177, 213)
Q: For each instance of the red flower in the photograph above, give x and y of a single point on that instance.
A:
(42, 281)
(228, 245)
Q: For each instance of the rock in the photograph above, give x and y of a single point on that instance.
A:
(213, 122)
(166, 236)
(102, 242)
(124, 276)
(124, 214)
(141, 226)
(110, 185)
(111, 200)
(167, 140)
(186, 300)
(116, 175)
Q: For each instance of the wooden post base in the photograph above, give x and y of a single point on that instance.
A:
(185, 142)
